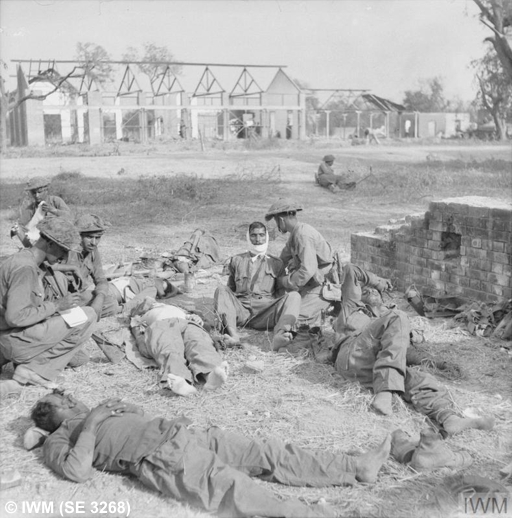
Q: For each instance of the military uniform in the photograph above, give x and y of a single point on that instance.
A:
(250, 297)
(32, 334)
(373, 350)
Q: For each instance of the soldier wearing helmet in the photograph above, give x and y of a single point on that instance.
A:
(326, 177)
(38, 206)
(33, 335)
(91, 281)
(86, 275)
(307, 256)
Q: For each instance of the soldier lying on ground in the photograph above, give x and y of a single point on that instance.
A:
(209, 468)
(183, 350)
(33, 334)
(373, 347)
(251, 297)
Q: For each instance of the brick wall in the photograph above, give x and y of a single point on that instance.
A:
(461, 246)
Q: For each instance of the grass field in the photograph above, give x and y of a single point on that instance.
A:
(155, 196)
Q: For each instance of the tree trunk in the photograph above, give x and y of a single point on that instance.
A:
(500, 126)
(3, 125)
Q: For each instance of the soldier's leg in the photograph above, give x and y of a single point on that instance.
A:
(203, 359)
(376, 358)
(45, 348)
(281, 316)
(190, 472)
(110, 305)
(230, 310)
(312, 305)
(431, 398)
(164, 343)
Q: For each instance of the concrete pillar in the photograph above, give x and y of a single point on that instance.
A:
(358, 124)
(295, 124)
(143, 118)
(328, 124)
(416, 125)
(95, 118)
(35, 122)
(186, 120)
(265, 124)
(265, 117)
(225, 117)
(65, 124)
(302, 116)
(80, 124)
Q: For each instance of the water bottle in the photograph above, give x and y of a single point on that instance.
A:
(190, 282)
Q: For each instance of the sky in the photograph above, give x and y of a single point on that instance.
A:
(386, 46)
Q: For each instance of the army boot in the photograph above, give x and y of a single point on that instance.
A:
(402, 447)
(433, 453)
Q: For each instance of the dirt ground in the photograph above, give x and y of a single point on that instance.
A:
(293, 398)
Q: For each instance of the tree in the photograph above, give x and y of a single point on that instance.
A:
(92, 58)
(495, 89)
(155, 56)
(312, 105)
(429, 98)
(4, 107)
(11, 101)
(497, 16)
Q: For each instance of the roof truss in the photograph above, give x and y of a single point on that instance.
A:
(246, 86)
(206, 85)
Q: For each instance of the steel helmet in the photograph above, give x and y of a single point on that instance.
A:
(282, 206)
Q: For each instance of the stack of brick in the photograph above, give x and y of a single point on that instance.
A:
(461, 246)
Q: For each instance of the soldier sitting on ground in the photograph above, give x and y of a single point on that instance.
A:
(326, 177)
(89, 279)
(33, 334)
(38, 206)
(252, 297)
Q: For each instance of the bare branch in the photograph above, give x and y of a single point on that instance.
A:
(484, 11)
(42, 97)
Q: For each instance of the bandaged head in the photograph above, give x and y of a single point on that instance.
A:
(257, 249)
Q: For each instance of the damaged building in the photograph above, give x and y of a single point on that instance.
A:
(460, 246)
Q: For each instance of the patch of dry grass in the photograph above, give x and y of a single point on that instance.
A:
(293, 398)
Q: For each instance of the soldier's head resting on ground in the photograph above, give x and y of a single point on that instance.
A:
(328, 159)
(58, 237)
(51, 410)
(257, 238)
(91, 228)
(284, 212)
(38, 188)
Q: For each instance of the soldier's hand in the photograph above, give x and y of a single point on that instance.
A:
(384, 285)
(68, 301)
(47, 209)
(113, 407)
(195, 318)
(388, 285)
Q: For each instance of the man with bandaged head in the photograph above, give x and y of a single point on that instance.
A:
(252, 297)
